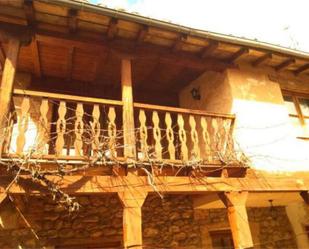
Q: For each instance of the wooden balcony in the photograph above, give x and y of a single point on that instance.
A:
(57, 128)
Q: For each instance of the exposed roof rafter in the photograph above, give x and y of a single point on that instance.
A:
(29, 12)
(72, 21)
(36, 58)
(238, 54)
(179, 43)
(262, 59)
(112, 28)
(285, 64)
(142, 34)
(301, 69)
(210, 48)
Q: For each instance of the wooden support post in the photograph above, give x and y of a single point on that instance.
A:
(128, 112)
(6, 87)
(235, 203)
(132, 201)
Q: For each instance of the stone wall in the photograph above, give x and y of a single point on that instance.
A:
(99, 219)
(170, 222)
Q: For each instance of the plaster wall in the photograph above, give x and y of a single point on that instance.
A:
(263, 130)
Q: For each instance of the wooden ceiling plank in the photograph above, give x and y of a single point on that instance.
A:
(262, 59)
(147, 51)
(284, 64)
(112, 28)
(64, 42)
(301, 69)
(70, 63)
(29, 12)
(209, 49)
(72, 20)
(36, 58)
(238, 54)
(102, 60)
(142, 34)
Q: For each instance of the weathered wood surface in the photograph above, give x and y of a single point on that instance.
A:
(127, 114)
(235, 203)
(111, 184)
(7, 81)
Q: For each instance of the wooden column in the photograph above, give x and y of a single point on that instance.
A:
(132, 202)
(128, 112)
(6, 87)
(235, 203)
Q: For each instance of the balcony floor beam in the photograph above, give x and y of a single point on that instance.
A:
(80, 184)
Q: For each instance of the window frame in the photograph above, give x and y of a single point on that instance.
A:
(295, 96)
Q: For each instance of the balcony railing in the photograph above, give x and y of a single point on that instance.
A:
(56, 126)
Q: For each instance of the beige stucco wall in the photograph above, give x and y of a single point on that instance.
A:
(263, 129)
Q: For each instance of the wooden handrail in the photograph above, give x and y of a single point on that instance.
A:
(68, 97)
(182, 110)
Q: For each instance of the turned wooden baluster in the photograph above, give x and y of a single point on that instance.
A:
(79, 129)
(216, 138)
(206, 139)
(22, 125)
(8, 133)
(194, 137)
(182, 138)
(157, 135)
(143, 135)
(112, 132)
(226, 124)
(43, 127)
(61, 127)
(170, 136)
(95, 130)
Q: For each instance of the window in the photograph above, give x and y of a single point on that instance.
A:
(298, 108)
(222, 239)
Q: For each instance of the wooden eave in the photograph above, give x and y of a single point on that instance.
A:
(82, 23)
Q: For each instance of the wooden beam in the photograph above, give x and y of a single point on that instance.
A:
(128, 111)
(36, 58)
(209, 49)
(112, 28)
(29, 12)
(284, 64)
(17, 32)
(262, 59)
(238, 54)
(132, 202)
(142, 34)
(72, 20)
(70, 63)
(179, 43)
(235, 202)
(81, 184)
(301, 69)
(6, 87)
